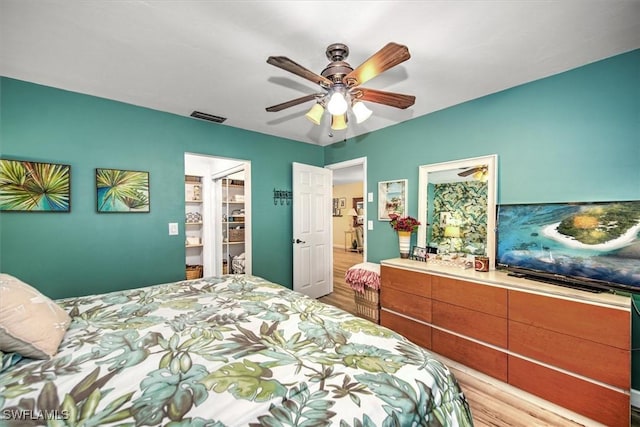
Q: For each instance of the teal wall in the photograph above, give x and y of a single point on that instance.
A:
(574, 136)
(83, 252)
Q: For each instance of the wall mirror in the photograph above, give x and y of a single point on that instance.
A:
(457, 207)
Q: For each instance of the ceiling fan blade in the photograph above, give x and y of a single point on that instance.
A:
(391, 99)
(387, 57)
(468, 172)
(297, 69)
(293, 102)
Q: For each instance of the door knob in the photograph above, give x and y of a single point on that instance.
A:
(298, 241)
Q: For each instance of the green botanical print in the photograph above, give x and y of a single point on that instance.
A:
(79, 407)
(245, 380)
(170, 392)
(352, 389)
(467, 204)
(300, 408)
(120, 190)
(228, 352)
(28, 186)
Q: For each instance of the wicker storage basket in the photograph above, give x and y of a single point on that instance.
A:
(236, 235)
(194, 272)
(368, 304)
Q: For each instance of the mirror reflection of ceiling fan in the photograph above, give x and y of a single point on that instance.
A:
(341, 84)
(479, 173)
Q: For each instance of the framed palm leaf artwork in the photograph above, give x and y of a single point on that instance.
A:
(122, 191)
(34, 186)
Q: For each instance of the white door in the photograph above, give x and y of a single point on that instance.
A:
(312, 236)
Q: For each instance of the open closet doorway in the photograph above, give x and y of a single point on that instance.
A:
(218, 222)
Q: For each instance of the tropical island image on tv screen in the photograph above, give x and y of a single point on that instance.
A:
(594, 246)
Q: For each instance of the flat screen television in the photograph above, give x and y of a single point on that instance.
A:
(590, 246)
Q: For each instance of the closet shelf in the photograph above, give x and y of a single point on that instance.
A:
(195, 240)
(233, 238)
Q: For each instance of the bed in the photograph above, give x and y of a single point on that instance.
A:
(235, 350)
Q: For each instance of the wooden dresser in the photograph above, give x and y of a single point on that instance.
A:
(570, 347)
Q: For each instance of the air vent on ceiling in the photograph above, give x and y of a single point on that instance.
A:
(208, 117)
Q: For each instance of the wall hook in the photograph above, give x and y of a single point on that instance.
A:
(281, 196)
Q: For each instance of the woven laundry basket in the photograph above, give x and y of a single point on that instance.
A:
(364, 279)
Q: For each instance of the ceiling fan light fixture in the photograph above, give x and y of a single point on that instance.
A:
(337, 103)
(481, 174)
(338, 122)
(361, 111)
(315, 113)
(341, 85)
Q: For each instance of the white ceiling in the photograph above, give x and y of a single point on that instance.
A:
(180, 56)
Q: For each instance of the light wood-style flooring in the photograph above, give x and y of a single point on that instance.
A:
(492, 403)
(342, 295)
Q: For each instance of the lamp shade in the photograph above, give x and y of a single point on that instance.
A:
(481, 174)
(451, 231)
(338, 122)
(337, 104)
(352, 212)
(361, 112)
(315, 114)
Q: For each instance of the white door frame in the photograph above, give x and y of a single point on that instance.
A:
(207, 165)
(349, 163)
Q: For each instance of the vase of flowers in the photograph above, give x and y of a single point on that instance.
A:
(405, 226)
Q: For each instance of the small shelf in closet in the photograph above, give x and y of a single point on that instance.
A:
(233, 225)
(193, 224)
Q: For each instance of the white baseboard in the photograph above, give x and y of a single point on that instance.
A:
(635, 398)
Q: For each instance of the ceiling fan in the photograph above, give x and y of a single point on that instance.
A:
(478, 172)
(341, 84)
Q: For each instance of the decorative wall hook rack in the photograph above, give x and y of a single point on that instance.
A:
(282, 196)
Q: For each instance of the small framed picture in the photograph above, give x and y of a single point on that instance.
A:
(122, 191)
(418, 253)
(392, 198)
(342, 203)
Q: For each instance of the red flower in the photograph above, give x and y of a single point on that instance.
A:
(406, 223)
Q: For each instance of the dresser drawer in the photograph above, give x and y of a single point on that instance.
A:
(477, 356)
(481, 326)
(602, 404)
(411, 305)
(591, 359)
(415, 331)
(592, 322)
(406, 281)
(484, 298)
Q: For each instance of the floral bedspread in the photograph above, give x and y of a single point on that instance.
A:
(229, 351)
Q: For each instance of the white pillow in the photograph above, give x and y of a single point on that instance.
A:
(30, 323)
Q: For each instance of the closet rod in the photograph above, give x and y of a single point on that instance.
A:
(223, 174)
